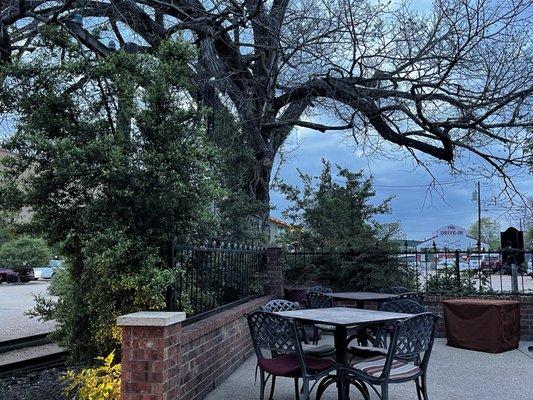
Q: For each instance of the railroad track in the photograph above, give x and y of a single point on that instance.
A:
(29, 354)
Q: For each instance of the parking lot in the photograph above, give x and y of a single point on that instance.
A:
(15, 300)
(498, 282)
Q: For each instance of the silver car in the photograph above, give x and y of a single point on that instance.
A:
(48, 271)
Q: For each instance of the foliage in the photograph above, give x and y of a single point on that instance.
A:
(369, 270)
(471, 281)
(490, 231)
(98, 383)
(335, 223)
(7, 228)
(328, 214)
(119, 163)
(24, 252)
(59, 283)
(528, 219)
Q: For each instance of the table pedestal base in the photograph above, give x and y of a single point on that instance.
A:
(344, 392)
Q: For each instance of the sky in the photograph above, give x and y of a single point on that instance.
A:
(420, 209)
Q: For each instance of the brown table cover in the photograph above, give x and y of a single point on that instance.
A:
(492, 326)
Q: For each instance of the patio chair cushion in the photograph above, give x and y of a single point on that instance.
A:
(366, 352)
(399, 370)
(289, 365)
(318, 349)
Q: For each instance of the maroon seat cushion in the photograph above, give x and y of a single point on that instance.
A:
(288, 365)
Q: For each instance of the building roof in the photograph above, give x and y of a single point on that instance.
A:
(279, 222)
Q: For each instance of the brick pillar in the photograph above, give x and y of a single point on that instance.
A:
(275, 271)
(150, 355)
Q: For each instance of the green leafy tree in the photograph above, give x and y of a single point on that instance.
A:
(336, 219)
(326, 213)
(119, 164)
(7, 228)
(24, 252)
(528, 222)
(490, 231)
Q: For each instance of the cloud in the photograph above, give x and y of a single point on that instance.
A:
(419, 207)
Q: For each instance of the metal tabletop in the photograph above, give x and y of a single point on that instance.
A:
(362, 296)
(343, 316)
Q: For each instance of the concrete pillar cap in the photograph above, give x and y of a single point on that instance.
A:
(151, 318)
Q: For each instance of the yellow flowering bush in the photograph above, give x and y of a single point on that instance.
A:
(98, 383)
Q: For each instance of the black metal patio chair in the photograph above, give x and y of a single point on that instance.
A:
(280, 305)
(403, 305)
(320, 300)
(395, 290)
(419, 298)
(279, 353)
(407, 359)
(319, 289)
(378, 337)
(311, 349)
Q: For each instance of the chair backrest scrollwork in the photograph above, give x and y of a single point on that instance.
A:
(319, 300)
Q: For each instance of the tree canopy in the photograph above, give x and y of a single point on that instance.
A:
(454, 80)
(118, 163)
(490, 232)
(335, 211)
(24, 252)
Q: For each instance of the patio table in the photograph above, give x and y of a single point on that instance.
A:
(342, 318)
(360, 298)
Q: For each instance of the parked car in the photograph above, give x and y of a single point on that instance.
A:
(12, 276)
(445, 264)
(491, 261)
(485, 261)
(449, 265)
(48, 271)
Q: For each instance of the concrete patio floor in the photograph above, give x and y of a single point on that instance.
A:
(454, 374)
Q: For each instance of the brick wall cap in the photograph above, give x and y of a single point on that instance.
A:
(150, 318)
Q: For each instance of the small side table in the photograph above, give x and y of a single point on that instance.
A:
(492, 326)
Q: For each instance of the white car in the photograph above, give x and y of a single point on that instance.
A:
(48, 271)
(450, 266)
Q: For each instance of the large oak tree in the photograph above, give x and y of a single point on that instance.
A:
(455, 79)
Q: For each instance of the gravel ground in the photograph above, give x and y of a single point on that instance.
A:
(15, 299)
(45, 385)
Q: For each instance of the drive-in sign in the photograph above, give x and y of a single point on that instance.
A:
(451, 230)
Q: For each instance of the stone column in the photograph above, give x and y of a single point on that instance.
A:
(275, 271)
(150, 355)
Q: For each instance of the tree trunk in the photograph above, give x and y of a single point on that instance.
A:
(256, 182)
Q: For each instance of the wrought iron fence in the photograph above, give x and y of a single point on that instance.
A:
(432, 271)
(501, 271)
(208, 278)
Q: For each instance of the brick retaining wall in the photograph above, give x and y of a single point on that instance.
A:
(164, 360)
(526, 311)
(213, 348)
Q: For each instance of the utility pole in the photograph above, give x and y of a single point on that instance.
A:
(476, 196)
(478, 216)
